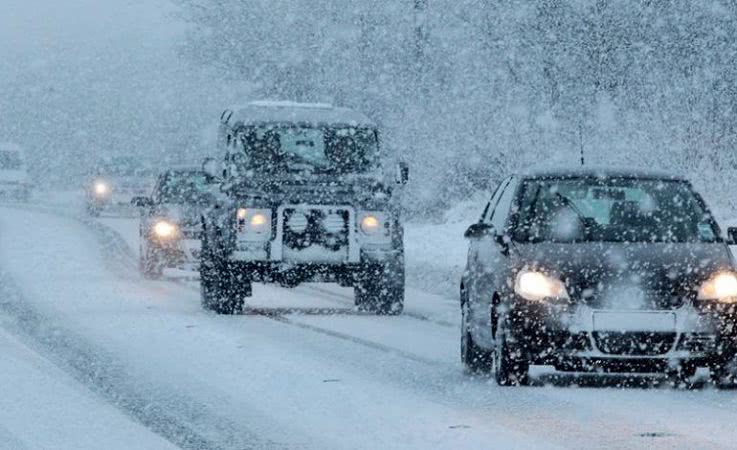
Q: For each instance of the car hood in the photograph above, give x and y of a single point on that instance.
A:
(628, 275)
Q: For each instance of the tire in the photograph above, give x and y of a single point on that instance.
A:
(724, 373)
(222, 289)
(682, 375)
(511, 368)
(92, 210)
(380, 290)
(149, 263)
(474, 358)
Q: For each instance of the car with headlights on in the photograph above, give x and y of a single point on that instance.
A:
(170, 228)
(114, 182)
(599, 270)
(305, 198)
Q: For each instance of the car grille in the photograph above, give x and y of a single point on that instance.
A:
(325, 228)
(634, 343)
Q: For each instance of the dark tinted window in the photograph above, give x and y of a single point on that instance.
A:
(298, 149)
(612, 209)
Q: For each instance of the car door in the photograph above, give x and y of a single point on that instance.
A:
(490, 256)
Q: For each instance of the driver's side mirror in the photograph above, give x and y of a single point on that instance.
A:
(142, 202)
(213, 168)
(479, 230)
(732, 236)
(402, 176)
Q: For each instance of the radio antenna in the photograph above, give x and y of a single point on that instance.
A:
(580, 142)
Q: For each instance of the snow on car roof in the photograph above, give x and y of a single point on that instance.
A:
(260, 112)
(600, 172)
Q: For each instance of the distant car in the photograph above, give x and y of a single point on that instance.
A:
(170, 226)
(599, 271)
(115, 182)
(14, 180)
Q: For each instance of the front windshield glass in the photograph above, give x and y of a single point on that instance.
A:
(184, 187)
(303, 149)
(613, 210)
(10, 161)
(125, 167)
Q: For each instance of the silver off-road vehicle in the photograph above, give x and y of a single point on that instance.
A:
(304, 198)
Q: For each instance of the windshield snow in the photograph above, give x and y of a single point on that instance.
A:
(300, 149)
(614, 210)
(183, 187)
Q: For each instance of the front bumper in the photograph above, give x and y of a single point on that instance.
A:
(182, 253)
(570, 337)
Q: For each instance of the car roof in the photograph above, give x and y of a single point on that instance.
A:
(10, 147)
(600, 172)
(315, 114)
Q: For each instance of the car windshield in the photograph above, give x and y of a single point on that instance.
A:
(612, 210)
(125, 167)
(10, 160)
(184, 187)
(304, 149)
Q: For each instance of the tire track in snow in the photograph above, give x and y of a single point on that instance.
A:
(612, 431)
(180, 420)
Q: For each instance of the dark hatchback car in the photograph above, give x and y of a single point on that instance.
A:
(170, 227)
(590, 270)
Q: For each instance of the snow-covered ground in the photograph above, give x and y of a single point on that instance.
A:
(301, 369)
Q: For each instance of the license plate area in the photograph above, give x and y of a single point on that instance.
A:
(633, 321)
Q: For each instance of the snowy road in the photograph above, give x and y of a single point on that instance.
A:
(300, 369)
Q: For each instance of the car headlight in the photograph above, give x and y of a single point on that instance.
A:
(374, 223)
(101, 188)
(536, 286)
(722, 287)
(254, 222)
(164, 229)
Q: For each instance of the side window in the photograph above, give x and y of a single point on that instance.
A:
(501, 212)
(489, 210)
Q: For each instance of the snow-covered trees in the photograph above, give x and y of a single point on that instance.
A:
(469, 89)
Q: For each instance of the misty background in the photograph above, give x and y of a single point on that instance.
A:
(465, 90)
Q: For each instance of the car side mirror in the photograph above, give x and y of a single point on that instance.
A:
(732, 236)
(213, 168)
(479, 230)
(402, 176)
(142, 202)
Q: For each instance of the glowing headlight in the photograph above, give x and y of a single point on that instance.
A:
(538, 286)
(722, 287)
(254, 221)
(370, 224)
(101, 188)
(164, 229)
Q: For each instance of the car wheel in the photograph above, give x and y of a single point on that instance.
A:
(150, 264)
(510, 366)
(474, 358)
(92, 210)
(682, 375)
(221, 289)
(724, 373)
(381, 290)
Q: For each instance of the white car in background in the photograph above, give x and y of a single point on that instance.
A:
(14, 179)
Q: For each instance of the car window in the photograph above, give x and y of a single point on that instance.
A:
(613, 210)
(489, 209)
(501, 212)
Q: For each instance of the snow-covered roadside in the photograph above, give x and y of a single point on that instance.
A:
(42, 407)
